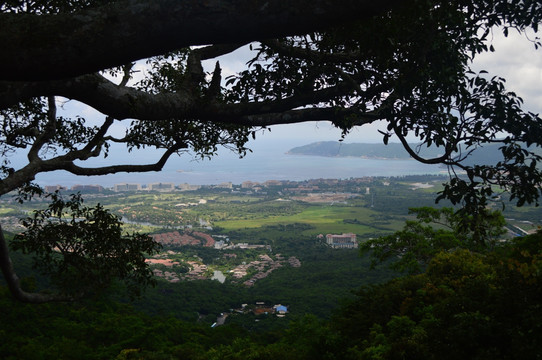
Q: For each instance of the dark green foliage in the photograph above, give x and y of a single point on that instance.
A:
(83, 249)
(99, 331)
(433, 231)
(466, 305)
(396, 198)
(324, 279)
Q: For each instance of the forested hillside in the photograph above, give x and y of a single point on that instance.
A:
(489, 154)
(333, 294)
(465, 305)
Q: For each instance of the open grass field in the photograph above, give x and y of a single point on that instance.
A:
(324, 219)
(149, 212)
(378, 209)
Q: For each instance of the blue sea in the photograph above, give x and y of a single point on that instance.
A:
(266, 162)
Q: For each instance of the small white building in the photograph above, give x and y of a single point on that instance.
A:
(343, 241)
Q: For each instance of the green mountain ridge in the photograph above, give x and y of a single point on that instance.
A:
(340, 149)
(489, 154)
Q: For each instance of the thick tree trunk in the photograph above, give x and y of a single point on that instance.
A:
(14, 283)
(46, 47)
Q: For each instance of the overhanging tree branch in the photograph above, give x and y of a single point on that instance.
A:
(445, 158)
(336, 115)
(157, 166)
(66, 162)
(308, 54)
(126, 102)
(46, 47)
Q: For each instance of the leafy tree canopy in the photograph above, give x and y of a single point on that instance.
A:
(353, 63)
(465, 305)
(434, 231)
(83, 250)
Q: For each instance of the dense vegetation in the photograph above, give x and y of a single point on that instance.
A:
(431, 315)
(465, 305)
(325, 278)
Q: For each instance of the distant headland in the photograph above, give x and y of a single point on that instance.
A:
(488, 154)
(393, 151)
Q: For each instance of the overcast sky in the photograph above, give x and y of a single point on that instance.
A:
(519, 63)
(515, 59)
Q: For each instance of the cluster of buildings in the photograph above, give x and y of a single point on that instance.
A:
(127, 187)
(124, 187)
(260, 308)
(312, 184)
(263, 309)
(170, 276)
(197, 271)
(160, 186)
(264, 266)
(285, 185)
(229, 246)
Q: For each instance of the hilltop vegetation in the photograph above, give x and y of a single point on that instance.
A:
(370, 151)
(489, 154)
(466, 305)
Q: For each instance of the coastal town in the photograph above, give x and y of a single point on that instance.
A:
(285, 186)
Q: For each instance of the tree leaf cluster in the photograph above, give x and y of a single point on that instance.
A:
(83, 249)
(433, 231)
(465, 304)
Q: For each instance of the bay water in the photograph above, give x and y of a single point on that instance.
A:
(268, 162)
